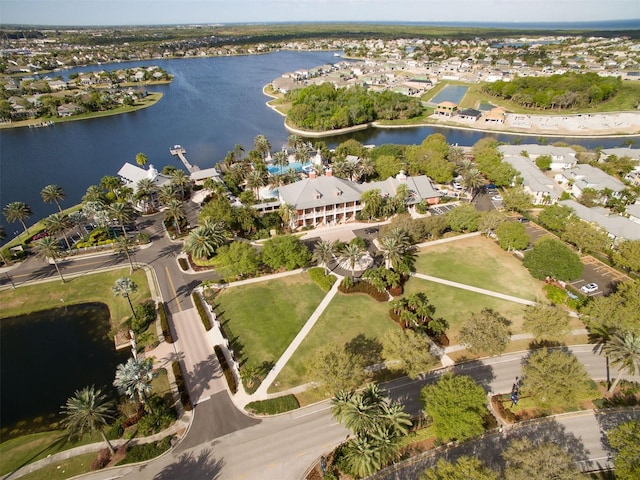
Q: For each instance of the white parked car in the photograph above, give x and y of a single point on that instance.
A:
(496, 198)
(589, 288)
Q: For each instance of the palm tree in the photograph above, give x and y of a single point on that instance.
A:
(455, 155)
(2, 237)
(255, 180)
(58, 223)
(352, 254)
(366, 168)
(180, 179)
(175, 211)
(302, 153)
(281, 159)
(124, 245)
(403, 193)
(110, 183)
(53, 193)
(362, 457)
(134, 380)
(238, 150)
(203, 241)
(141, 159)
(289, 215)
(93, 194)
(373, 201)
(88, 410)
(473, 180)
(145, 189)
(17, 212)
(166, 193)
(78, 219)
(294, 141)
(124, 287)
(394, 245)
(323, 252)
(49, 247)
(623, 350)
(122, 213)
(261, 145)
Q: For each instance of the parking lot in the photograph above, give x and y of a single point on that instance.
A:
(601, 274)
(442, 209)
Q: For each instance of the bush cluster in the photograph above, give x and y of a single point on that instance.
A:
(324, 281)
(182, 387)
(163, 415)
(146, 451)
(274, 406)
(348, 285)
(145, 315)
(202, 310)
(164, 323)
(184, 264)
(228, 374)
(503, 412)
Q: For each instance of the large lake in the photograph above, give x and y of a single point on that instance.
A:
(212, 105)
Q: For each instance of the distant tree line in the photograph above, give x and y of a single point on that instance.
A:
(569, 90)
(325, 107)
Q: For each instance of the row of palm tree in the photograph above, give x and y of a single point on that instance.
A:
(351, 254)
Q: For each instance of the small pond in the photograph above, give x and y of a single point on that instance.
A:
(46, 356)
(450, 93)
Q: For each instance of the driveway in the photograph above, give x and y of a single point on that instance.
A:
(603, 275)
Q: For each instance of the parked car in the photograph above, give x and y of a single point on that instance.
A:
(523, 220)
(40, 235)
(589, 288)
(369, 231)
(496, 198)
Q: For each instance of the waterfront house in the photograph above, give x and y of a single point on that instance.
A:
(469, 114)
(584, 176)
(617, 227)
(534, 181)
(445, 109)
(562, 158)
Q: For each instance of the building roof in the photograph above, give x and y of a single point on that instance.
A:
(587, 176)
(132, 174)
(204, 174)
(469, 112)
(633, 153)
(532, 176)
(634, 210)
(615, 225)
(534, 150)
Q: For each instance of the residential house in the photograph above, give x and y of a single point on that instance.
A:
(584, 176)
(469, 114)
(445, 109)
(495, 116)
(618, 228)
(68, 109)
(534, 181)
(132, 174)
(562, 158)
(634, 212)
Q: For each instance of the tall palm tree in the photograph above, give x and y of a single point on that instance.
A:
(53, 193)
(49, 247)
(145, 189)
(141, 159)
(203, 241)
(238, 150)
(302, 153)
(124, 245)
(473, 180)
(17, 212)
(352, 254)
(403, 193)
(294, 141)
(122, 213)
(217, 189)
(93, 194)
(623, 349)
(58, 223)
(175, 211)
(261, 145)
(124, 193)
(288, 214)
(166, 193)
(455, 155)
(78, 219)
(281, 159)
(110, 183)
(323, 252)
(362, 456)
(393, 248)
(216, 230)
(366, 168)
(373, 201)
(180, 179)
(255, 180)
(124, 287)
(134, 380)
(88, 410)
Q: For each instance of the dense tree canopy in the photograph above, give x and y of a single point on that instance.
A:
(569, 90)
(325, 107)
(464, 468)
(625, 441)
(408, 351)
(285, 251)
(552, 258)
(487, 332)
(525, 460)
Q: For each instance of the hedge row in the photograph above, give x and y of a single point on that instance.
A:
(324, 281)
(182, 387)
(273, 406)
(349, 286)
(202, 310)
(184, 264)
(146, 451)
(164, 322)
(228, 374)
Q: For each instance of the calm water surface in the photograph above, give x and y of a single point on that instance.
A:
(46, 356)
(212, 105)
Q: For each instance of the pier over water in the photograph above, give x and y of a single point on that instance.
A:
(180, 152)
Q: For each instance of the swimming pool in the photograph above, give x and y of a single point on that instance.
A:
(297, 166)
(450, 93)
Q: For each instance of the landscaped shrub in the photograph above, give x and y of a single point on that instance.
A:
(116, 430)
(503, 412)
(182, 388)
(184, 264)
(362, 287)
(163, 415)
(202, 310)
(228, 374)
(555, 294)
(325, 282)
(146, 451)
(274, 406)
(145, 315)
(164, 323)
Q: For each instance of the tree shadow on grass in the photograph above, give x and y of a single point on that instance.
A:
(61, 440)
(370, 349)
(189, 466)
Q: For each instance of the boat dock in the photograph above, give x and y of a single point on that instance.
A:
(180, 152)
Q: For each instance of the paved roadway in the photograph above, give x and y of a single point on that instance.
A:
(224, 443)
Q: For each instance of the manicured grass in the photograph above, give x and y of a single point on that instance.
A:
(64, 468)
(346, 317)
(265, 317)
(456, 305)
(85, 288)
(27, 449)
(479, 262)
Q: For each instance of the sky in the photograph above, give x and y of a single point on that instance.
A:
(163, 12)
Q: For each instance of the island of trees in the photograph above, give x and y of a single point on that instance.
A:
(325, 107)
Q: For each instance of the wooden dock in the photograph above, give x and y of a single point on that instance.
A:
(180, 152)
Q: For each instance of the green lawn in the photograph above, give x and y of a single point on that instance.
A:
(265, 317)
(346, 317)
(479, 262)
(85, 288)
(64, 469)
(456, 305)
